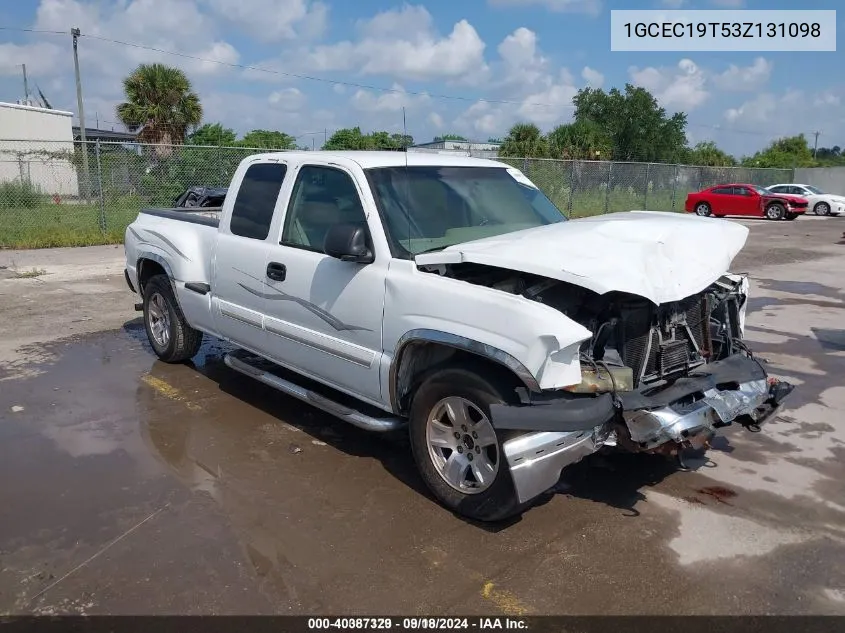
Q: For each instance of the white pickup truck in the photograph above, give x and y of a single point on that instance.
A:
(449, 295)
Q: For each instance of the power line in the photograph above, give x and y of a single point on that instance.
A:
(349, 83)
(22, 30)
(322, 79)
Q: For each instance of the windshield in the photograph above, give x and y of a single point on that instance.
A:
(430, 208)
(761, 191)
(814, 190)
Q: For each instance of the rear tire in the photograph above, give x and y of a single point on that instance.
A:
(468, 474)
(172, 339)
(775, 211)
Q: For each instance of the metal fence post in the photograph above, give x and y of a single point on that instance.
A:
(607, 190)
(100, 187)
(674, 185)
(571, 185)
(645, 196)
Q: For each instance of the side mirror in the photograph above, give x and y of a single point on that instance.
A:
(348, 243)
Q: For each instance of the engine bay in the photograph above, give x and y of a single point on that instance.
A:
(658, 343)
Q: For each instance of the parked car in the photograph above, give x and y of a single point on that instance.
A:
(746, 200)
(450, 296)
(820, 202)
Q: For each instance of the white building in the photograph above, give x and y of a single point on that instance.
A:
(36, 145)
(463, 148)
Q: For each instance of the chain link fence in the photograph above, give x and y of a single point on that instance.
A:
(65, 193)
(585, 188)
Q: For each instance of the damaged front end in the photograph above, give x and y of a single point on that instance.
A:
(655, 378)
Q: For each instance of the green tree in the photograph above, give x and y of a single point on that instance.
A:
(212, 134)
(524, 140)
(354, 139)
(707, 154)
(267, 139)
(450, 137)
(786, 153)
(640, 130)
(160, 104)
(581, 140)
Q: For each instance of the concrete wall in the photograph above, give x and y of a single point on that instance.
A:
(828, 179)
(31, 142)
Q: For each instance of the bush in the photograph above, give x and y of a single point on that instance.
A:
(20, 195)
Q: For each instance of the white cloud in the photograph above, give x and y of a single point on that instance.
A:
(770, 115)
(678, 88)
(435, 120)
(40, 59)
(524, 76)
(387, 102)
(744, 78)
(590, 7)
(274, 20)
(287, 99)
(593, 77)
(403, 43)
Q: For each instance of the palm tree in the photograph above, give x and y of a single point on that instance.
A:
(524, 140)
(160, 105)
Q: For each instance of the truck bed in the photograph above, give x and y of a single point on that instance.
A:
(207, 216)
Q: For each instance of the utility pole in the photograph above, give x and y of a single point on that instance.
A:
(25, 86)
(816, 144)
(75, 33)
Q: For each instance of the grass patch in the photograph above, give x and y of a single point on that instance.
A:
(20, 195)
(52, 225)
(29, 274)
(48, 225)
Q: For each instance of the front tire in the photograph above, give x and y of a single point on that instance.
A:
(457, 451)
(775, 211)
(172, 339)
(822, 208)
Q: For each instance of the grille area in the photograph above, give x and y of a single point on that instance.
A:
(665, 341)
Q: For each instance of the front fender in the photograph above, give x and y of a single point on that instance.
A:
(540, 344)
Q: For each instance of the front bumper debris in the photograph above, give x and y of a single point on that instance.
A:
(562, 429)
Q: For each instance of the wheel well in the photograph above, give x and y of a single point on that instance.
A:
(147, 269)
(420, 359)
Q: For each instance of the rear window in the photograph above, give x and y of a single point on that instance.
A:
(252, 212)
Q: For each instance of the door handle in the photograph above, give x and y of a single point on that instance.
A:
(276, 271)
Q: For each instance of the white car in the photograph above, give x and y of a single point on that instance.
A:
(821, 203)
(449, 295)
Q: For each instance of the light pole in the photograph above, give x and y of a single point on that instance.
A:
(86, 185)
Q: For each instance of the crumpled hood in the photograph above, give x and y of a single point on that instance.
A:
(658, 255)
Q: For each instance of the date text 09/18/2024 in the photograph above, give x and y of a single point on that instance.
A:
(416, 623)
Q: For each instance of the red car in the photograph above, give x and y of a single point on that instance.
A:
(747, 200)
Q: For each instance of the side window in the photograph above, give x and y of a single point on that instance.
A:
(723, 190)
(322, 196)
(798, 190)
(252, 212)
(741, 191)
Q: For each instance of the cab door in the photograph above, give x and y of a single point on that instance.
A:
(239, 282)
(745, 202)
(324, 315)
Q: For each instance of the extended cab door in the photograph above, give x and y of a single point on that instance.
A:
(239, 269)
(324, 315)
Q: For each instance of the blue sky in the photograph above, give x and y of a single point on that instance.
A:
(532, 54)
